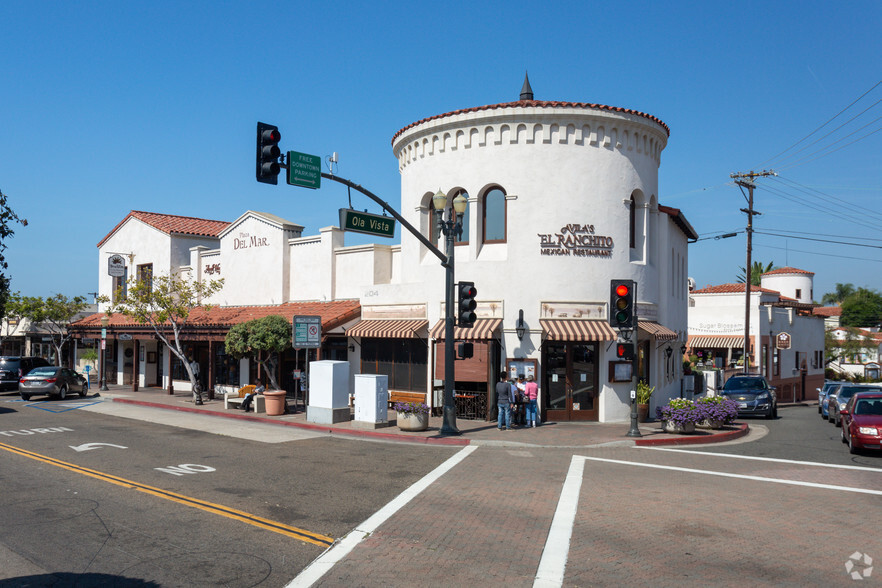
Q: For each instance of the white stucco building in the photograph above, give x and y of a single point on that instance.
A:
(562, 198)
(786, 337)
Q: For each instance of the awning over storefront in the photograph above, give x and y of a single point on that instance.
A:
(577, 330)
(658, 331)
(392, 329)
(716, 341)
(482, 329)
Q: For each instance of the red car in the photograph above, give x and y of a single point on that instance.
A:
(862, 422)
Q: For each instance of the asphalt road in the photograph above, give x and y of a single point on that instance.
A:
(109, 500)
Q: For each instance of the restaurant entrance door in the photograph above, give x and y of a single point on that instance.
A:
(570, 375)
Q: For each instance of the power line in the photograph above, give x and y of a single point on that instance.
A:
(820, 240)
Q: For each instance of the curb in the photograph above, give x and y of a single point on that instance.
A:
(455, 441)
(743, 429)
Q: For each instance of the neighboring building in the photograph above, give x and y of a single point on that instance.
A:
(24, 338)
(562, 198)
(831, 314)
(866, 362)
(786, 337)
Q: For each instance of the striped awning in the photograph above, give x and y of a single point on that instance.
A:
(482, 329)
(391, 329)
(715, 341)
(577, 330)
(658, 331)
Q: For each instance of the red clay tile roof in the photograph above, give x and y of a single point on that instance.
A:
(827, 311)
(536, 104)
(333, 314)
(679, 220)
(788, 270)
(170, 223)
(732, 289)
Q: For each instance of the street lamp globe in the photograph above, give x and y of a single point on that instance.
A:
(439, 200)
(460, 203)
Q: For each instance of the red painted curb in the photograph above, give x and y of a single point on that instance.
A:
(742, 430)
(459, 441)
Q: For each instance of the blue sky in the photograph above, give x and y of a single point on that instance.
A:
(107, 107)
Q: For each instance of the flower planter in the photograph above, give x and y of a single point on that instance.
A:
(275, 402)
(413, 422)
(677, 429)
(710, 424)
(642, 413)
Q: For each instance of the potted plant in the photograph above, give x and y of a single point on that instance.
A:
(412, 416)
(718, 411)
(644, 393)
(679, 416)
(263, 339)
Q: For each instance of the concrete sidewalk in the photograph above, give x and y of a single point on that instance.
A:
(474, 432)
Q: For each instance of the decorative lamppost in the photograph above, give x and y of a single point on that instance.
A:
(451, 228)
(104, 322)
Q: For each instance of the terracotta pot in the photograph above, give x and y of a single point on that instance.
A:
(642, 413)
(413, 422)
(275, 402)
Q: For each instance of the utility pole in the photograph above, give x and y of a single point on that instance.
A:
(746, 180)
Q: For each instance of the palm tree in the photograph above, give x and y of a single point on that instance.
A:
(836, 297)
(757, 269)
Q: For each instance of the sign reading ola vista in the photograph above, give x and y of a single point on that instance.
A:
(576, 239)
(304, 170)
(363, 222)
(116, 266)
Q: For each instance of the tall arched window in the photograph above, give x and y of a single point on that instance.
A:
(494, 216)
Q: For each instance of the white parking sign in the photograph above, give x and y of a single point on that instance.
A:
(307, 332)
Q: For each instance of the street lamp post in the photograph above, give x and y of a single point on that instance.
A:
(450, 228)
(104, 322)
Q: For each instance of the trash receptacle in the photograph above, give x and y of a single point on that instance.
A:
(275, 402)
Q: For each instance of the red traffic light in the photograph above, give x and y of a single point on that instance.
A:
(468, 291)
(622, 290)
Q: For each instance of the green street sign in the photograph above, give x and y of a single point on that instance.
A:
(304, 170)
(363, 222)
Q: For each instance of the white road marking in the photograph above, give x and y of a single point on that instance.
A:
(557, 546)
(739, 476)
(91, 446)
(772, 459)
(323, 563)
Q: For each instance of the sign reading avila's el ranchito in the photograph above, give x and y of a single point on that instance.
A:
(576, 239)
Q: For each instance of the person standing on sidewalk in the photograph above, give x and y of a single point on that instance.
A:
(504, 398)
(531, 394)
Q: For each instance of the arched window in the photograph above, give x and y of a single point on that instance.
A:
(632, 224)
(494, 216)
(462, 238)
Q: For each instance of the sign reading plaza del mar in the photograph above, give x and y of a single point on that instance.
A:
(576, 239)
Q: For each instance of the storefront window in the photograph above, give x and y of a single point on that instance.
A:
(403, 360)
(226, 367)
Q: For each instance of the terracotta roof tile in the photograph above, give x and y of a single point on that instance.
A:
(173, 224)
(332, 313)
(732, 289)
(788, 270)
(536, 104)
(827, 311)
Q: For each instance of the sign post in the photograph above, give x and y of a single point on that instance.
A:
(306, 333)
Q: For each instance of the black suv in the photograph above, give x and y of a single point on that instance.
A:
(753, 394)
(13, 368)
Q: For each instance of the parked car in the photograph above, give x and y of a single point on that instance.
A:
(843, 395)
(822, 396)
(13, 367)
(52, 381)
(862, 421)
(753, 394)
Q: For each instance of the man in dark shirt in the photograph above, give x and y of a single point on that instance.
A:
(504, 398)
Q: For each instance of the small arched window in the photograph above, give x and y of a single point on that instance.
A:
(494, 216)
(632, 224)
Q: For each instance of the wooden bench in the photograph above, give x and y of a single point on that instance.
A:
(235, 399)
(396, 396)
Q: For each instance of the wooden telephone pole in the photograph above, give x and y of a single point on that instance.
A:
(746, 180)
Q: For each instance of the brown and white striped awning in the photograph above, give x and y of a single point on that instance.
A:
(661, 333)
(577, 330)
(715, 342)
(389, 329)
(482, 329)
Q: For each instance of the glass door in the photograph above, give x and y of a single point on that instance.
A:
(571, 381)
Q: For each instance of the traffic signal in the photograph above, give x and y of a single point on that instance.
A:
(625, 351)
(466, 304)
(465, 350)
(268, 152)
(621, 304)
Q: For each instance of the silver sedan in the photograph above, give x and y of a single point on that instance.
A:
(52, 381)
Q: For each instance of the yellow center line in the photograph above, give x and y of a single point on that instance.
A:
(211, 507)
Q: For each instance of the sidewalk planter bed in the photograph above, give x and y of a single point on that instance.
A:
(679, 416)
(412, 416)
(718, 411)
